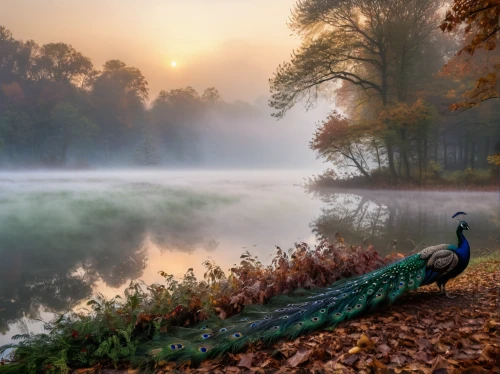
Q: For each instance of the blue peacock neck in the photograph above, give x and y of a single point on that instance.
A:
(463, 245)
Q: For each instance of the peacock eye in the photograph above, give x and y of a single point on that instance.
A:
(179, 346)
(203, 349)
(205, 336)
(223, 329)
(322, 311)
(276, 327)
(358, 306)
(300, 323)
(237, 335)
(315, 319)
(173, 346)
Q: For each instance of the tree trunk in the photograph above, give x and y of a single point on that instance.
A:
(445, 152)
(473, 154)
(466, 151)
(390, 158)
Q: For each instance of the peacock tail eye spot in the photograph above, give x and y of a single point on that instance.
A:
(205, 336)
(179, 346)
(237, 335)
(315, 319)
(285, 317)
(338, 314)
(300, 323)
(223, 329)
(419, 277)
(173, 347)
(362, 297)
(203, 349)
(401, 284)
(378, 295)
(204, 328)
(369, 292)
(276, 327)
(358, 306)
(411, 283)
(348, 308)
(322, 311)
(302, 311)
(253, 324)
(374, 285)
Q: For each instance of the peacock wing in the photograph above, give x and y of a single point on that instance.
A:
(443, 261)
(426, 253)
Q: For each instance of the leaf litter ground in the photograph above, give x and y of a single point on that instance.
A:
(424, 332)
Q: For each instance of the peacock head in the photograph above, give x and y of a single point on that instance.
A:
(462, 224)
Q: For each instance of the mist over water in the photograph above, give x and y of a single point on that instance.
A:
(66, 235)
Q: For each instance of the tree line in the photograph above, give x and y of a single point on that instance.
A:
(413, 102)
(57, 109)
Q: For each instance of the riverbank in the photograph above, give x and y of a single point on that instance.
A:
(467, 180)
(422, 331)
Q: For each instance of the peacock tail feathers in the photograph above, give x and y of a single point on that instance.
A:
(291, 316)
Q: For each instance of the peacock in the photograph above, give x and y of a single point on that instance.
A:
(286, 317)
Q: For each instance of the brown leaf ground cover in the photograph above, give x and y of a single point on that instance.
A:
(423, 332)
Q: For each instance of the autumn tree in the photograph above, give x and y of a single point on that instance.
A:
(343, 143)
(376, 46)
(481, 35)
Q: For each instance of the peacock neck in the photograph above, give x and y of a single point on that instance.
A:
(463, 244)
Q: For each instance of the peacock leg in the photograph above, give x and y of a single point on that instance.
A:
(443, 291)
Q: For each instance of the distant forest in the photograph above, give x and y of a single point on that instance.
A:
(58, 110)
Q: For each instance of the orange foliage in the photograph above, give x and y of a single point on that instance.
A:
(482, 19)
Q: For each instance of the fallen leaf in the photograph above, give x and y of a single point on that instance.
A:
(299, 358)
(246, 360)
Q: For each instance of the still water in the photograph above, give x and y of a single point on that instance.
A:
(66, 235)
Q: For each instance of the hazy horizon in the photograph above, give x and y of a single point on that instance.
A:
(211, 43)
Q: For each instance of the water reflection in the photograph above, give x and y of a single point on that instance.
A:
(55, 244)
(406, 221)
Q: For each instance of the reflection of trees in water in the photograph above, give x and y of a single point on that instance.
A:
(55, 247)
(402, 220)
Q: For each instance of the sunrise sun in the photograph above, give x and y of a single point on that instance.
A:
(174, 64)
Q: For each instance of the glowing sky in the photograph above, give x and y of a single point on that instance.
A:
(234, 45)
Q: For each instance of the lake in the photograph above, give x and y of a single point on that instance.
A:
(66, 235)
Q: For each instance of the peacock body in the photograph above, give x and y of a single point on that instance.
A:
(286, 317)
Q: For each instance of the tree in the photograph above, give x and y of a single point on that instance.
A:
(343, 143)
(370, 44)
(378, 47)
(118, 96)
(482, 20)
(211, 96)
(68, 127)
(146, 152)
(61, 63)
(409, 125)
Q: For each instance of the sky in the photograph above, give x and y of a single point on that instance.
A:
(234, 45)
